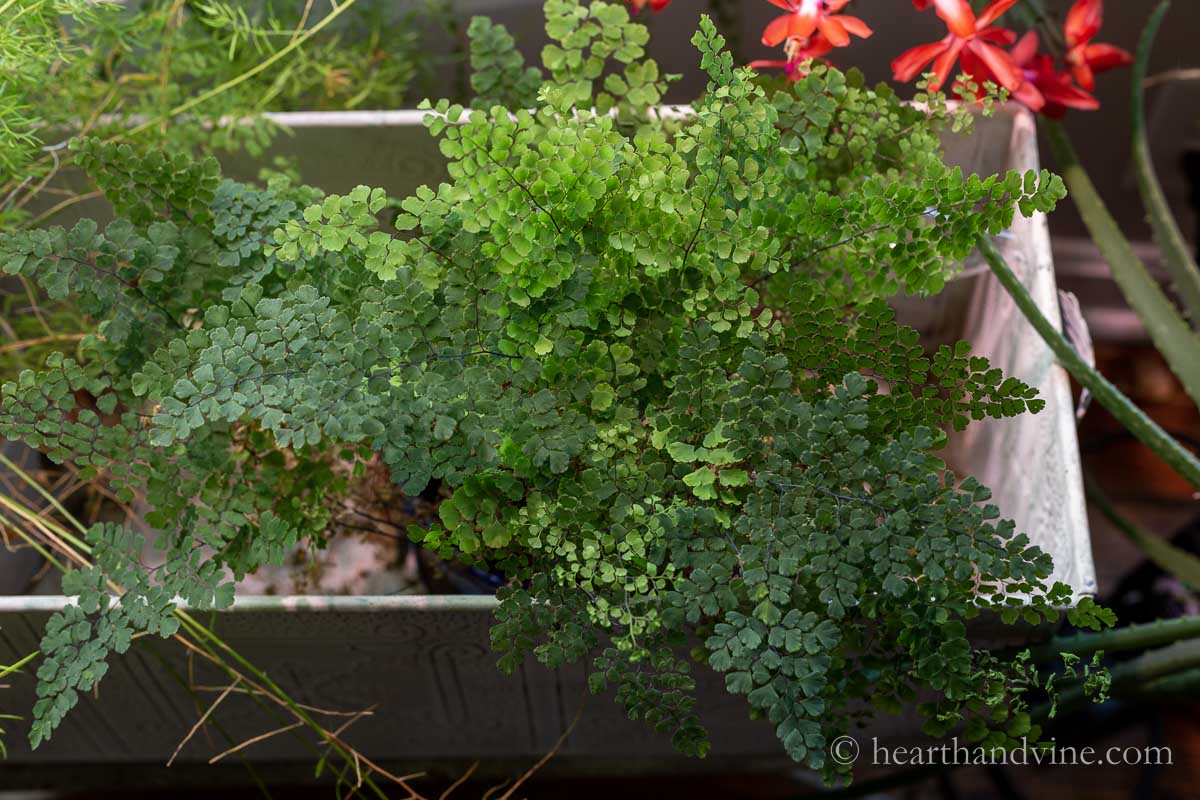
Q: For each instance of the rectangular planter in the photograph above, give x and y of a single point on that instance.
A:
(425, 661)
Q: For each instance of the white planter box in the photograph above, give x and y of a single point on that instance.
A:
(426, 661)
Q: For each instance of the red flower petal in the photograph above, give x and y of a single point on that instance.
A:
(1000, 36)
(1083, 75)
(974, 68)
(944, 63)
(958, 16)
(804, 20)
(909, 64)
(993, 11)
(1064, 94)
(921, 5)
(1055, 91)
(1106, 56)
(1028, 95)
(833, 30)
(1083, 21)
(817, 46)
(855, 26)
(784, 4)
(1026, 49)
(1000, 63)
(777, 30)
(655, 5)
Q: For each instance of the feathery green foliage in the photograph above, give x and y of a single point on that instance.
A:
(499, 75)
(103, 68)
(653, 362)
(121, 71)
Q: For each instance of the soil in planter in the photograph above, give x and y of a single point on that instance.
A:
(366, 548)
(368, 552)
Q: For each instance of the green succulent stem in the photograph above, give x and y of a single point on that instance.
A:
(1177, 256)
(1178, 685)
(1171, 559)
(1177, 342)
(1147, 431)
(1120, 640)
(1133, 676)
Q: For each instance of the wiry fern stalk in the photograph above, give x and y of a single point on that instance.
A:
(655, 369)
(1177, 255)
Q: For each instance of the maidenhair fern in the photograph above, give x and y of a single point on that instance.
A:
(656, 368)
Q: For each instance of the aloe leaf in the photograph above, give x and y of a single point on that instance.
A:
(1169, 558)
(1168, 330)
(1177, 256)
(1146, 430)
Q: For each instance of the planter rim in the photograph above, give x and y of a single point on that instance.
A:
(310, 602)
(382, 118)
(314, 602)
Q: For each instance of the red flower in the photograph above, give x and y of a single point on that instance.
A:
(806, 16)
(655, 5)
(974, 39)
(798, 51)
(1085, 59)
(1056, 87)
(952, 11)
